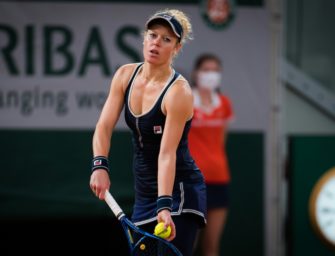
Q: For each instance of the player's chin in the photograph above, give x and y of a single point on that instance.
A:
(154, 60)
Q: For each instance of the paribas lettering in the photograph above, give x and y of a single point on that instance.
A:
(49, 50)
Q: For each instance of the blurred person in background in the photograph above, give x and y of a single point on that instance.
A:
(207, 138)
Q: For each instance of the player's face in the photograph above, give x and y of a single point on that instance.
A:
(160, 45)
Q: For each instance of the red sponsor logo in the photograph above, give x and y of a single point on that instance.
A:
(97, 162)
(158, 129)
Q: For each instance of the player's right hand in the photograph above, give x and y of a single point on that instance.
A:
(99, 183)
(165, 216)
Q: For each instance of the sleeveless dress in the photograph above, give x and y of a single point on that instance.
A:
(189, 190)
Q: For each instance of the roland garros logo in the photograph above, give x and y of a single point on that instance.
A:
(218, 13)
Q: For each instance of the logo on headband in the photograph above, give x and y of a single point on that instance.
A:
(166, 16)
(218, 13)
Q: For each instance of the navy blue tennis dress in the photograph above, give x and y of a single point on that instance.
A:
(189, 191)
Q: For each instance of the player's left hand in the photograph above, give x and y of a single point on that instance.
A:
(165, 216)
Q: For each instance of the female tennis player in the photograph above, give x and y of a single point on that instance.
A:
(158, 105)
(212, 113)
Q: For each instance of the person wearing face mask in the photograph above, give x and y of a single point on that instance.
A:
(212, 113)
(158, 106)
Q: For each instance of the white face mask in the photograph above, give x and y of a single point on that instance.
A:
(209, 80)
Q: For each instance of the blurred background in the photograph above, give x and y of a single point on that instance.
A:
(56, 62)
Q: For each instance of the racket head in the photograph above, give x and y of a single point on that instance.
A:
(143, 243)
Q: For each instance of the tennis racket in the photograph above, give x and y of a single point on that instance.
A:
(141, 243)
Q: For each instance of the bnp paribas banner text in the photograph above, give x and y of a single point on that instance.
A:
(57, 59)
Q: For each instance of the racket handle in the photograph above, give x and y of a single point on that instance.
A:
(113, 205)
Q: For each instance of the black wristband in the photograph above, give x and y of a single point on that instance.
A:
(100, 162)
(164, 203)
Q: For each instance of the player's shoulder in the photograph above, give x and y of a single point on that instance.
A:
(181, 85)
(179, 95)
(124, 73)
(127, 69)
(179, 98)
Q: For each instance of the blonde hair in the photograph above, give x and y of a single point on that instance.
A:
(184, 21)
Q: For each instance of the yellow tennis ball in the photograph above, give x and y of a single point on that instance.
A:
(161, 231)
(142, 247)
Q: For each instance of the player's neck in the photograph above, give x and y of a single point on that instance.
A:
(156, 73)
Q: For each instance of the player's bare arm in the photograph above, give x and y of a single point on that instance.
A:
(103, 132)
(178, 107)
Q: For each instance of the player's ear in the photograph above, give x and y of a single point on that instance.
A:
(177, 49)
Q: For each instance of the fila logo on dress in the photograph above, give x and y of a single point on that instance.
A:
(158, 129)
